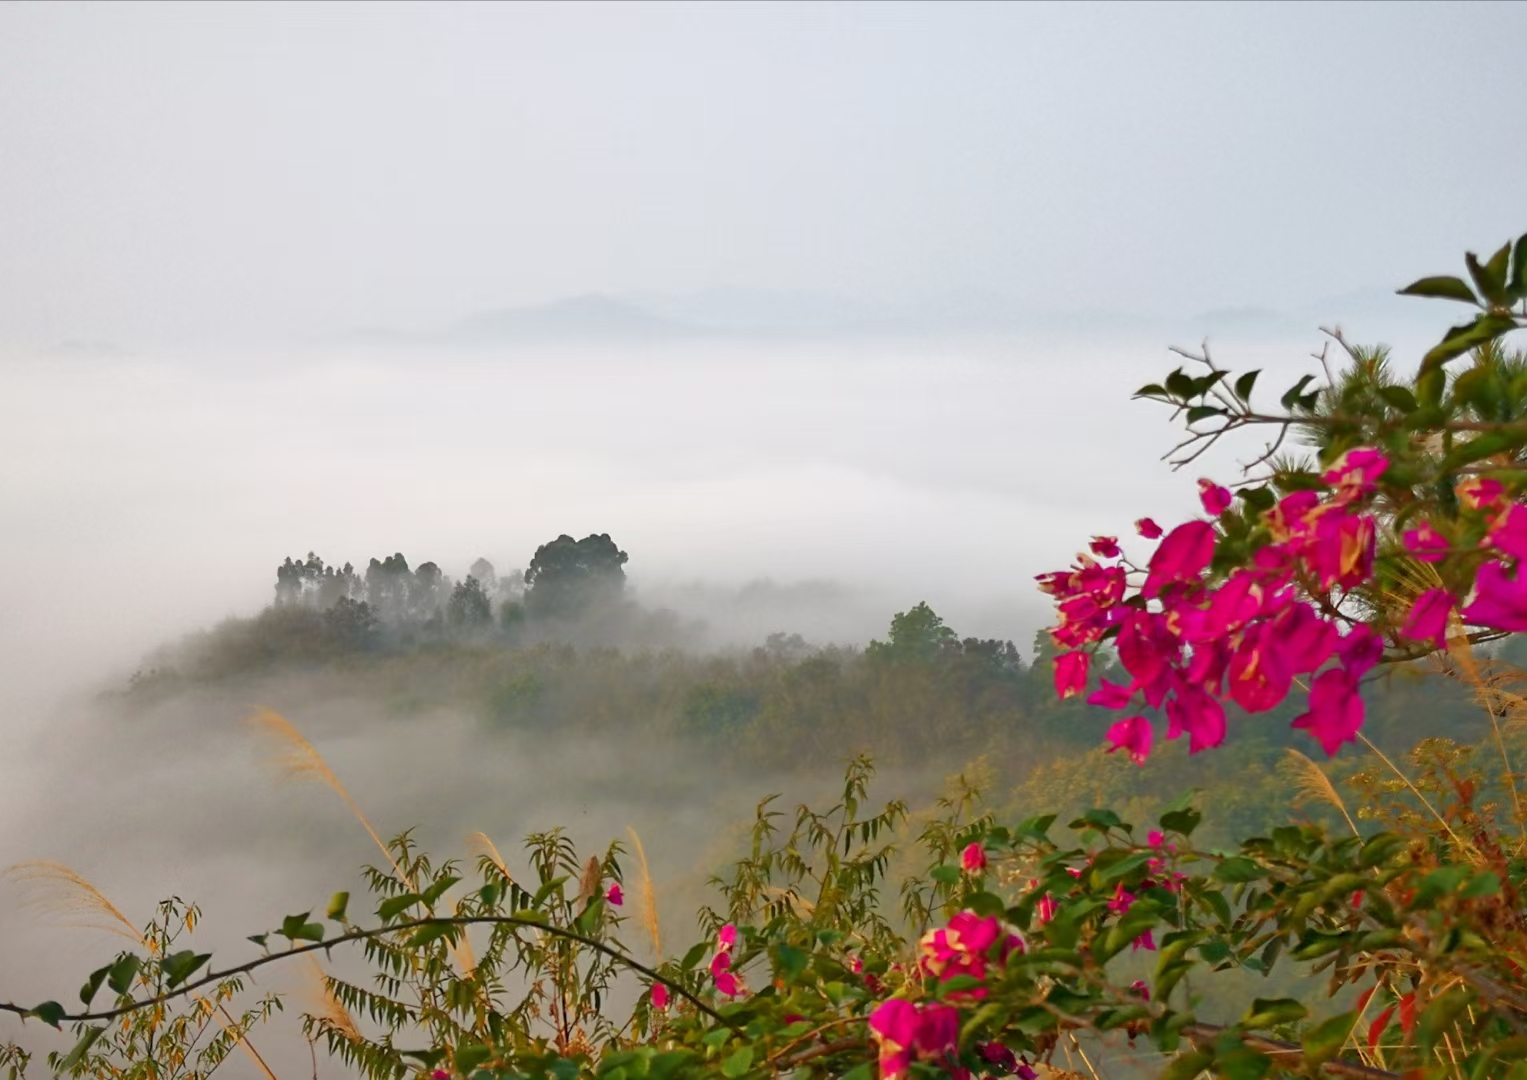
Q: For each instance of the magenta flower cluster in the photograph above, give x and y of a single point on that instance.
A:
(906, 1031)
(1190, 644)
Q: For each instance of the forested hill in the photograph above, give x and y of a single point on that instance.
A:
(560, 647)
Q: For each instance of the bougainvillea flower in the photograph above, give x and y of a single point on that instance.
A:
(1342, 551)
(938, 1030)
(726, 983)
(1305, 641)
(1045, 908)
(1428, 617)
(1480, 493)
(1134, 735)
(1258, 679)
(1026, 1072)
(1215, 499)
(1198, 714)
(1426, 543)
(722, 961)
(726, 937)
(1500, 602)
(1336, 710)
(659, 996)
(1148, 529)
(1139, 988)
(1071, 674)
(1356, 472)
(1360, 650)
(994, 1053)
(973, 859)
(1122, 899)
(614, 896)
(1111, 695)
(1509, 532)
(1146, 941)
(1106, 547)
(894, 1025)
(1292, 515)
(439, 1074)
(1181, 556)
(1142, 650)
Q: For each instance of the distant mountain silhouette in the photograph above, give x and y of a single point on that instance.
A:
(581, 317)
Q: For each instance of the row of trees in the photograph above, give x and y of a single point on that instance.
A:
(566, 579)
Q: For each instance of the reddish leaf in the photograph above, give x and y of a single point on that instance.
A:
(1376, 1029)
(1408, 1012)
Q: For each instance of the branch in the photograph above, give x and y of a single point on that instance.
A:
(363, 935)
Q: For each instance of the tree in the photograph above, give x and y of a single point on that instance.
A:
(482, 571)
(469, 607)
(567, 577)
(916, 636)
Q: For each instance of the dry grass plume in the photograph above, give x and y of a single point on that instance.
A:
(646, 894)
(1311, 784)
(54, 890)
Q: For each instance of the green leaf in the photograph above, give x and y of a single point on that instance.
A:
(1270, 1012)
(1291, 395)
(437, 890)
(1490, 277)
(81, 1048)
(430, 932)
(337, 905)
(1378, 848)
(179, 967)
(1151, 390)
(1441, 882)
(1438, 1017)
(297, 928)
(790, 962)
(984, 904)
(1399, 397)
(694, 955)
(1182, 822)
(1036, 827)
(1444, 287)
(547, 889)
(1484, 445)
(1187, 1066)
(1518, 284)
(862, 1071)
(1238, 869)
(470, 1055)
(93, 984)
(1461, 339)
(258, 939)
(1244, 384)
(1484, 884)
(1322, 1042)
(1241, 1062)
(1179, 385)
(1099, 820)
(123, 972)
(945, 874)
(1124, 867)
(1203, 412)
(49, 1012)
(390, 909)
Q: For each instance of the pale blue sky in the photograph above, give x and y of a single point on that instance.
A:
(225, 173)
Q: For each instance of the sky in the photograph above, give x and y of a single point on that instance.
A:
(194, 176)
